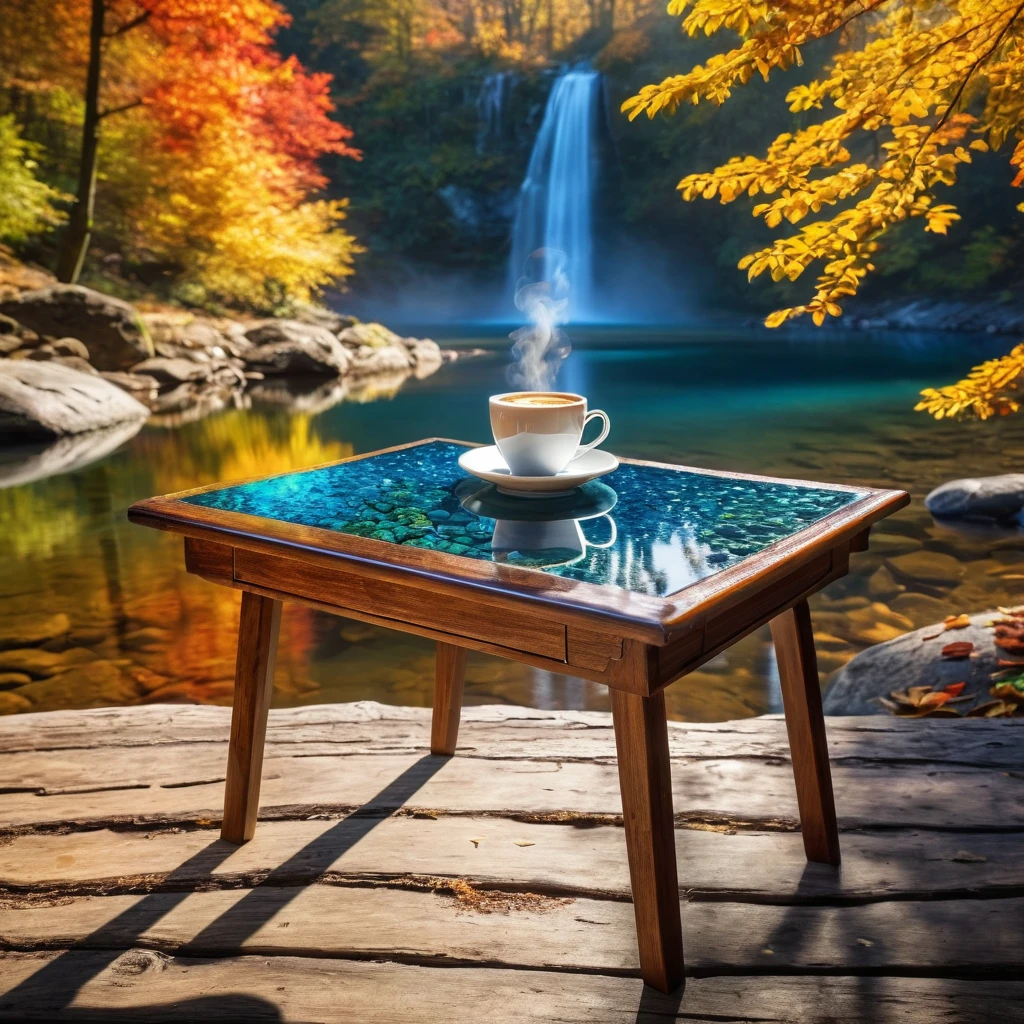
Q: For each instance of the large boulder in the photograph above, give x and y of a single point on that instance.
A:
(44, 400)
(385, 360)
(373, 335)
(110, 329)
(985, 497)
(290, 346)
(915, 659)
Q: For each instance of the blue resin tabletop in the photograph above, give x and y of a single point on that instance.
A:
(647, 529)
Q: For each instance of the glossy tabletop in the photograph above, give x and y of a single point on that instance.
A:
(650, 543)
(649, 529)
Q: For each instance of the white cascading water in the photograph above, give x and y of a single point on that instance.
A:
(555, 206)
(490, 106)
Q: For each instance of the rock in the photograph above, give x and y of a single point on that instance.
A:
(881, 543)
(172, 372)
(322, 317)
(70, 347)
(910, 660)
(40, 664)
(99, 684)
(290, 346)
(111, 329)
(138, 385)
(928, 567)
(42, 400)
(12, 702)
(8, 343)
(425, 355)
(43, 353)
(12, 680)
(883, 585)
(389, 359)
(26, 463)
(371, 335)
(31, 629)
(77, 363)
(986, 497)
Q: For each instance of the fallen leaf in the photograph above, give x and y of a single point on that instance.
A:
(966, 857)
(961, 621)
(955, 689)
(864, 942)
(935, 699)
(993, 709)
(524, 842)
(1006, 663)
(1009, 691)
(958, 649)
(932, 636)
(477, 841)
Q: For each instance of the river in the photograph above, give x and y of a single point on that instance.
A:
(835, 407)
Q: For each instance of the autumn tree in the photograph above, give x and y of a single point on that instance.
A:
(207, 138)
(913, 87)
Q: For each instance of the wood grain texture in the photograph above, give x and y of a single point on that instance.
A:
(367, 727)
(645, 780)
(511, 629)
(793, 636)
(591, 649)
(772, 939)
(259, 622)
(183, 784)
(140, 986)
(597, 936)
(212, 561)
(449, 673)
(589, 605)
(750, 866)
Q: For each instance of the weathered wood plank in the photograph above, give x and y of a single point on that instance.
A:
(83, 788)
(141, 986)
(745, 865)
(367, 727)
(980, 937)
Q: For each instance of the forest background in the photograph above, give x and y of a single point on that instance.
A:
(251, 153)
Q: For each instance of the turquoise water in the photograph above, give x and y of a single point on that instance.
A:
(670, 527)
(835, 409)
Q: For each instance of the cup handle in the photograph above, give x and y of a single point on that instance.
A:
(584, 448)
(610, 541)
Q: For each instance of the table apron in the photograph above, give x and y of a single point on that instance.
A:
(597, 654)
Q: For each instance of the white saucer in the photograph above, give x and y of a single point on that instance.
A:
(487, 464)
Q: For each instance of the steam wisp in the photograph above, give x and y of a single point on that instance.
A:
(542, 295)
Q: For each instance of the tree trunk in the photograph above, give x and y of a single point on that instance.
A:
(75, 243)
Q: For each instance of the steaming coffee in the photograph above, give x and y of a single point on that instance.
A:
(535, 398)
(538, 432)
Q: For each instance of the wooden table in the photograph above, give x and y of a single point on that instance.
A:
(700, 560)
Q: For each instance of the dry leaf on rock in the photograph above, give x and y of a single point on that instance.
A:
(958, 649)
(524, 842)
(961, 621)
(993, 709)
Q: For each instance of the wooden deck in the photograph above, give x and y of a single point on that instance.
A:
(385, 884)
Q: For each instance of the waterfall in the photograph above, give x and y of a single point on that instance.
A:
(555, 204)
(490, 108)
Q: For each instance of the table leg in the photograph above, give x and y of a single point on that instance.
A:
(645, 779)
(254, 679)
(805, 722)
(449, 672)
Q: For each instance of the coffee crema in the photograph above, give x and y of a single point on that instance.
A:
(540, 400)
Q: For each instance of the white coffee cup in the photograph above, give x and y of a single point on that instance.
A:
(538, 432)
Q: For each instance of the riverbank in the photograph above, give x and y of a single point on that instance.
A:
(177, 365)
